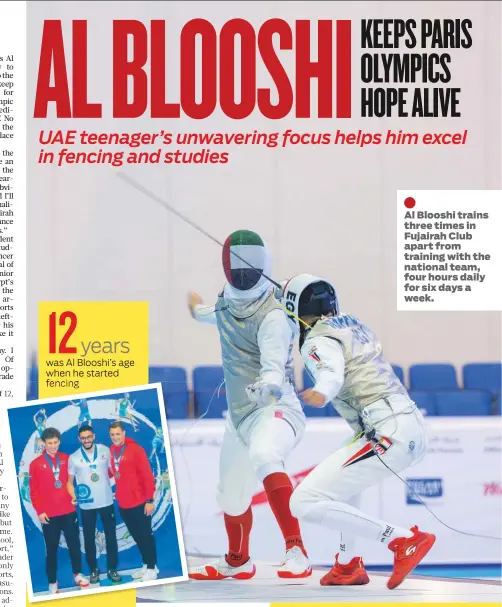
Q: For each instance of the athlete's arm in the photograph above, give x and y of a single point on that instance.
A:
(35, 495)
(200, 311)
(274, 341)
(71, 488)
(324, 359)
(147, 479)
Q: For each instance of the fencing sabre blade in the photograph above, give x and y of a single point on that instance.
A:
(137, 186)
(132, 182)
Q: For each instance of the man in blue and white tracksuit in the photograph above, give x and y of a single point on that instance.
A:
(89, 467)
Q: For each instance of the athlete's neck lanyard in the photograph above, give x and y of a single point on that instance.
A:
(94, 476)
(117, 460)
(84, 455)
(55, 469)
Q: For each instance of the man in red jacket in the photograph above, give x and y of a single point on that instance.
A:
(135, 488)
(52, 503)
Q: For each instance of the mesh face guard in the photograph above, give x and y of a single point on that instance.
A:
(300, 299)
(318, 299)
(245, 259)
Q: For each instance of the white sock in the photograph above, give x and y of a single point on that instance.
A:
(348, 548)
(338, 515)
(389, 533)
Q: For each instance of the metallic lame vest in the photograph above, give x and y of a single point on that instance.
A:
(240, 351)
(368, 376)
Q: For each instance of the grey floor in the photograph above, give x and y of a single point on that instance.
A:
(266, 587)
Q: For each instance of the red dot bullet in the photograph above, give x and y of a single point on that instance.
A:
(409, 203)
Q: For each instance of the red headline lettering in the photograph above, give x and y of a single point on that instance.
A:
(139, 57)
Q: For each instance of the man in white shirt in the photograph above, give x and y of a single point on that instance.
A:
(265, 420)
(89, 466)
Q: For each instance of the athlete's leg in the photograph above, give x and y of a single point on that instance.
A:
(323, 495)
(271, 436)
(237, 483)
(88, 518)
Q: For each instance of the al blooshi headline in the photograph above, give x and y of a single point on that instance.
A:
(372, 68)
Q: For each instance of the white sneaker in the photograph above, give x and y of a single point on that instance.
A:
(150, 574)
(295, 564)
(53, 588)
(137, 575)
(221, 570)
(81, 580)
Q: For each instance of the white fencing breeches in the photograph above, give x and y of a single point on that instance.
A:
(259, 448)
(322, 497)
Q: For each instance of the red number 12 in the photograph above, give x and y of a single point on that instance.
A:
(63, 348)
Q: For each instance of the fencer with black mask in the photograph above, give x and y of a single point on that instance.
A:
(345, 360)
(266, 419)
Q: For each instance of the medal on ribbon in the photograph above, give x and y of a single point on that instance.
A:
(94, 476)
(56, 469)
(117, 461)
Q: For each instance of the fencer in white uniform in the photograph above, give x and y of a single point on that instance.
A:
(345, 360)
(265, 417)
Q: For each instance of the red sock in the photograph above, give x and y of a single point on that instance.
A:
(238, 531)
(279, 490)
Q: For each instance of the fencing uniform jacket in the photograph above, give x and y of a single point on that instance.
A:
(345, 360)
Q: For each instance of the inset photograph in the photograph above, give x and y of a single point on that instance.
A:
(97, 492)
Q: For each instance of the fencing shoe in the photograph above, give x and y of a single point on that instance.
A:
(295, 564)
(352, 574)
(221, 570)
(408, 552)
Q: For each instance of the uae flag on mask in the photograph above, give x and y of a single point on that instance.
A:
(244, 258)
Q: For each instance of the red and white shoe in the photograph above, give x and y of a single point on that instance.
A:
(53, 588)
(408, 552)
(295, 565)
(351, 574)
(81, 580)
(221, 570)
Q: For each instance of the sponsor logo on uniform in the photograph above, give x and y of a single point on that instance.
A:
(370, 449)
(387, 533)
(313, 354)
(423, 488)
(83, 493)
(382, 445)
